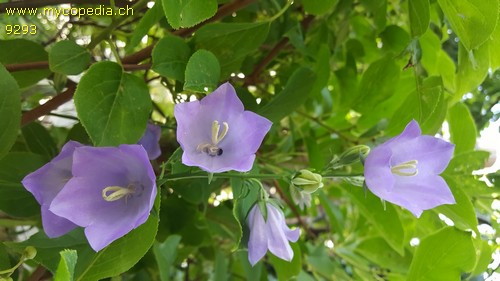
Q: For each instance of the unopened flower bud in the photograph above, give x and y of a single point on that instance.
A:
(307, 181)
(350, 156)
(29, 252)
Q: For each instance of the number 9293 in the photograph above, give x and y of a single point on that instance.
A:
(20, 29)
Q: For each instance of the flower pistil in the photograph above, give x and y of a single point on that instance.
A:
(406, 169)
(212, 149)
(114, 193)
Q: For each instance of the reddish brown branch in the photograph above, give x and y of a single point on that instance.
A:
(50, 105)
(45, 65)
(222, 12)
(253, 78)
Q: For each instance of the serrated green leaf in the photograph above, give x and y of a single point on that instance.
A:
(113, 106)
(286, 270)
(39, 141)
(170, 57)
(419, 11)
(296, 91)
(202, 72)
(462, 213)
(319, 7)
(231, 42)
(385, 219)
(19, 51)
(462, 128)
(165, 254)
(14, 198)
(10, 110)
(472, 69)
(377, 84)
(444, 255)
(68, 58)
(426, 104)
(187, 13)
(472, 21)
(245, 196)
(150, 18)
(66, 268)
(113, 260)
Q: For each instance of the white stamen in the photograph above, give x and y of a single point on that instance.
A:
(216, 137)
(116, 193)
(409, 165)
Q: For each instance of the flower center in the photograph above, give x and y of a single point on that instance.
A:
(406, 169)
(114, 193)
(212, 149)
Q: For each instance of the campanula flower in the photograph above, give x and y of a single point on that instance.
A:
(217, 134)
(272, 234)
(46, 182)
(111, 192)
(405, 170)
(151, 141)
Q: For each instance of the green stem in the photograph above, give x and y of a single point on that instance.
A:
(113, 49)
(342, 175)
(184, 176)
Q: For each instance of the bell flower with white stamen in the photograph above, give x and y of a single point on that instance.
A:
(405, 170)
(217, 134)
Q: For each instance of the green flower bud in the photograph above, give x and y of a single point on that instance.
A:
(350, 156)
(29, 252)
(307, 181)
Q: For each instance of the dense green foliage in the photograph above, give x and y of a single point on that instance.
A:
(329, 74)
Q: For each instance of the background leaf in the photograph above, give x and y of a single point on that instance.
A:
(10, 110)
(187, 13)
(69, 58)
(202, 72)
(113, 106)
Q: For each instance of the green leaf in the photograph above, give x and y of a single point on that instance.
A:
(444, 255)
(202, 72)
(66, 268)
(462, 213)
(170, 56)
(472, 21)
(484, 250)
(385, 219)
(295, 93)
(285, 270)
(462, 128)
(39, 140)
(426, 104)
(377, 84)
(165, 254)
(113, 106)
(419, 11)
(245, 195)
(472, 69)
(379, 252)
(19, 51)
(14, 198)
(68, 58)
(150, 18)
(10, 110)
(187, 13)
(319, 7)
(231, 42)
(113, 260)
(467, 162)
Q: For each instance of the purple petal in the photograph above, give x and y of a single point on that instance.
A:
(194, 128)
(150, 141)
(378, 175)
(432, 154)
(277, 240)
(419, 193)
(257, 243)
(46, 182)
(95, 169)
(411, 131)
